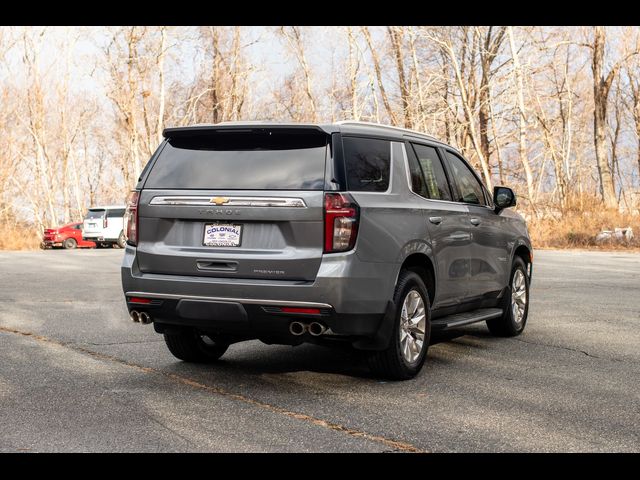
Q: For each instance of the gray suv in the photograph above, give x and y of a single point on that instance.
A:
(347, 232)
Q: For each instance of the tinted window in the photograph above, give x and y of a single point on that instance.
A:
(249, 160)
(434, 177)
(95, 214)
(368, 164)
(119, 212)
(415, 171)
(469, 188)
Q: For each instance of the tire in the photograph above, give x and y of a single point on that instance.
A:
(392, 363)
(508, 325)
(121, 243)
(69, 244)
(189, 346)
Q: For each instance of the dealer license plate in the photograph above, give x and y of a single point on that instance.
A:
(222, 235)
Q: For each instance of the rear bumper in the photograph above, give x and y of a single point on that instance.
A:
(52, 243)
(352, 295)
(250, 320)
(88, 237)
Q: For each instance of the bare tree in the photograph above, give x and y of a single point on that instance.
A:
(354, 66)
(396, 36)
(633, 100)
(602, 82)
(490, 43)
(378, 72)
(456, 54)
(296, 44)
(522, 115)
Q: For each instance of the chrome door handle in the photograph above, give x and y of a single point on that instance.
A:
(435, 220)
(461, 236)
(475, 221)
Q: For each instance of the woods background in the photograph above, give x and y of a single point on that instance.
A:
(553, 112)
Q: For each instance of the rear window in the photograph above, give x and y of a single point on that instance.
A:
(368, 164)
(94, 214)
(253, 160)
(118, 212)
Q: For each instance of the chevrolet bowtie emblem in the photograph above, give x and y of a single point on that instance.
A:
(219, 200)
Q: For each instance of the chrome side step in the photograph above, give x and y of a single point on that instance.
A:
(466, 318)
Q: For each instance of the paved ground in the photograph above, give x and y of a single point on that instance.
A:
(77, 375)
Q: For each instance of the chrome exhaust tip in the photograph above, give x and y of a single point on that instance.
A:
(316, 329)
(135, 316)
(145, 318)
(297, 328)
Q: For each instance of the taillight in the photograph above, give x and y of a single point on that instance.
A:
(131, 218)
(105, 222)
(340, 222)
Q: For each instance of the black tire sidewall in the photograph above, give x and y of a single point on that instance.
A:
(69, 244)
(121, 242)
(209, 351)
(411, 281)
(187, 345)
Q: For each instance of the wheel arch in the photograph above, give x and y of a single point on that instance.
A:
(524, 251)
(423, 265)
(417, 256)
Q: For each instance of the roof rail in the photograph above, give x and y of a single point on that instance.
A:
(372, 124)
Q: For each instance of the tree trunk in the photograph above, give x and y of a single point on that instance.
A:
(635, 91)
(418, 122)
(295, 42)
(601, 87)
(378, 72)
(353, 75)
(495, 136)
(522, 117)
(473, 134)
(395, 34)
(215, 74)
(161, 101)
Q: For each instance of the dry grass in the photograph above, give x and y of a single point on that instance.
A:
(18, 237)
(578, 226)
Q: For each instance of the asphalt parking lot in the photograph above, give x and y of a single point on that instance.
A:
(77, 375)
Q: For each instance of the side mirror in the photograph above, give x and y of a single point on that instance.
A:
(503, 197)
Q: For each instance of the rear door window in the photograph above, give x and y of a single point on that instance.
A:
(265, 159)
(435, 180)
(418, 184)
(368, 164)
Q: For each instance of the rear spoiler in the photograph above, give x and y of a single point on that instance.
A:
(175, 132)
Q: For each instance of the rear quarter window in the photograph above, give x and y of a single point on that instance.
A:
(367, 163)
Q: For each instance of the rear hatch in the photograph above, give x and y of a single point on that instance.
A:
(237, 204)
(93, 224)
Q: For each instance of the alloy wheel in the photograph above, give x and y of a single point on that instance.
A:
(518, 296)
(413, 322)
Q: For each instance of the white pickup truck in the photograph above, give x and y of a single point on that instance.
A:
(105, 226)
